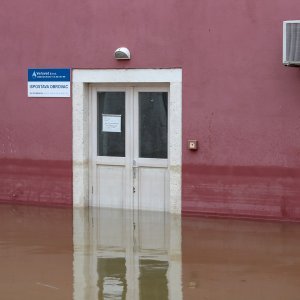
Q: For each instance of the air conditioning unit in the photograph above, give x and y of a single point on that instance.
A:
(291, 43)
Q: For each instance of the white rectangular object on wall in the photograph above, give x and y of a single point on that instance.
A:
(48, 83)
(291, 43)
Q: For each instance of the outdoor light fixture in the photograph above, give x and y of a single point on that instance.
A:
(122, 53)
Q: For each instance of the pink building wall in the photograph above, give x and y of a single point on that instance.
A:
(238, 100)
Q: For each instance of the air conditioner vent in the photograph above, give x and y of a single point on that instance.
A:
(291, 43)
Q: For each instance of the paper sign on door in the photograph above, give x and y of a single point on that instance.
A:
(111, 123)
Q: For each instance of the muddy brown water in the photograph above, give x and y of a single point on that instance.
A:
(58, 253)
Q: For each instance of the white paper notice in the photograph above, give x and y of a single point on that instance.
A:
(111, 123)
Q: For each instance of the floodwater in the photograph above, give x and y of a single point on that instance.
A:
(87, 254)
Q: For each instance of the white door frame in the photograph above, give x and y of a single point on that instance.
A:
(81, 78)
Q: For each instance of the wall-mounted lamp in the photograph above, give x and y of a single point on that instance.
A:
(122, 53)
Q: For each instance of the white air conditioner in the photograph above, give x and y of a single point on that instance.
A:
(291, 43)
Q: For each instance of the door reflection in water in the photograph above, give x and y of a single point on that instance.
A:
(112, 278)
(122, 254)
(153, 282)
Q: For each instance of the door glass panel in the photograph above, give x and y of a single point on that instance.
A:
(111, 124)
(153, 124)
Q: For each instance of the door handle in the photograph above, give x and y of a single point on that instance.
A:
(134, 171)
(134, 167)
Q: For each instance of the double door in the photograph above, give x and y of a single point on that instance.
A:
(129, 147)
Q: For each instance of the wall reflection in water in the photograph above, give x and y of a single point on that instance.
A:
(239, 259)
(35, 253)
(126, 255)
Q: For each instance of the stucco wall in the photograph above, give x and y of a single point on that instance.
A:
(238, 100)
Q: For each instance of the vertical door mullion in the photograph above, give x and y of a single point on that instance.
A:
(136, 146)
(129, 147)
(93, 145)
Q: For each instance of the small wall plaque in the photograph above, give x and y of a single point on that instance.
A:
(49, 83)
(192, 144)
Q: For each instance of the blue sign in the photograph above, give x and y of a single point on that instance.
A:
(48, 82)
(48, 74)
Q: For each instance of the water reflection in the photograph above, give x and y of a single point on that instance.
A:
(239, 259)
(126, 255)
(112, 282)
(35, 253)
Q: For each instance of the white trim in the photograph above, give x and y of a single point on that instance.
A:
(284, 42)
(80, 149)
(292, 21)
(80, 111)
(127, 75)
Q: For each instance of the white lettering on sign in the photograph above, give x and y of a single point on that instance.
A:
(111, 123)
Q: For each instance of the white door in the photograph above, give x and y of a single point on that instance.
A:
(129, 147)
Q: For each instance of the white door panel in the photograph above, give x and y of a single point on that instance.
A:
(152, 188)
(111, 186)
